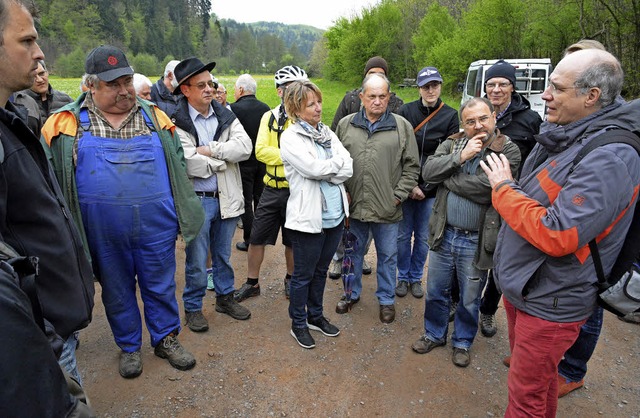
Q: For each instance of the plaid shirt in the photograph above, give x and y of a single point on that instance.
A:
(134, 125)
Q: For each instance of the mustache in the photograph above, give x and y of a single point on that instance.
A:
(127, 96)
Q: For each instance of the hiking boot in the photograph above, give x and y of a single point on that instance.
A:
(488, 325)
(303, 337)
(242, 246)
(246, 291)
(402, 288)
(387, 313)
(335, 269)
(452, 310)
(416, 290)
(196, 321)
(324, 326)
(287, 285)
(345, 305)
(565, 386)
(130, 364)
(171, 349)
(226, 304)
(210, 285)
(632, 318)
(461, 357)
(366, 268)
(424, 345)
(507, 361)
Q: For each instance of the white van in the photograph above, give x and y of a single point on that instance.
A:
(532, 76)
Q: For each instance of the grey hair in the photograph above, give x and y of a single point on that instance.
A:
(607, 76)
(171, 65)
(140, 81)
(91, 80)
(30, 5)
(247, 83)
(369, 77)
(474, 101)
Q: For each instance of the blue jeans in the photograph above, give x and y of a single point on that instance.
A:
(573, 366)
(385, 238)
(68, 357)
(415, 222)
(311, 257)
(454, 256)
(216, 235)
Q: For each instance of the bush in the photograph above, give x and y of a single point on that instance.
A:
(71, 64)
(146, 64)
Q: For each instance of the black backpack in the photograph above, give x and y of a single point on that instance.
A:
(620, 291)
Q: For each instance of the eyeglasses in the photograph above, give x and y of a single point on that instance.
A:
(472, 122)
(221, 92)
(430, 86)
(202, 85)
(41, 74)
(491, 86)
(555, 89)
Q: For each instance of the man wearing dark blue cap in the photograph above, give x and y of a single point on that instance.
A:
(214, 142)
(122, 170)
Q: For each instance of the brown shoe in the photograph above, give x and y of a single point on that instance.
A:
(424, 345)
(565, 386)
(196, 321)
(387, 313)
(226, 304)
(507, 361)
(345, 305)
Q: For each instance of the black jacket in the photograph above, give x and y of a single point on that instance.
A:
(351, 104)
(55, 100)
(35, 221)
(249, 111)
(163, 98)
(520, 124)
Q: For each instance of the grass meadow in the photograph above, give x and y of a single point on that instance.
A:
(332, 92)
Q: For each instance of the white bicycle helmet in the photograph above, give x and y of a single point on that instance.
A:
(288, 74)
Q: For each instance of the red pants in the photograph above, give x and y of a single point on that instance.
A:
(537, 346)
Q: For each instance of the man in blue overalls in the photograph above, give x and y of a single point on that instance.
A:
(214, 142)
(122, 170)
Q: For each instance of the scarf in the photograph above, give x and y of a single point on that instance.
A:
(321, 136)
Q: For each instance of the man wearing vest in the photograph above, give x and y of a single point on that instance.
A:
(121, 168)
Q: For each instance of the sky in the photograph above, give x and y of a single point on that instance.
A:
(320, 14)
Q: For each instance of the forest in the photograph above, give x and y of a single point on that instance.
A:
(410, 34)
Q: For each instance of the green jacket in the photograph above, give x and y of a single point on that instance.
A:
(58, 136)
(385, 166)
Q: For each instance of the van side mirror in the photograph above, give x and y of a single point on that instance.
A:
(460, 87)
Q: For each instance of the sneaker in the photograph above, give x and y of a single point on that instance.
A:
(324, 326)
(227, 305)
(242, 246)
(507, 361)
(488, 325)
(345, 305)
(335, 269)
(246, 291)
(424, 345)
(210, 285)
(402, 288)
(452, 310)
(287, 284)
(416, 290)
(632, 318)
(565, 386)
(387, 314)
(130, 364)
(303, 337)
(196, 321)
(171, 349)
(366, 268)
(461, 357)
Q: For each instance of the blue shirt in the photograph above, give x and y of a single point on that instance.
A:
(206, 127)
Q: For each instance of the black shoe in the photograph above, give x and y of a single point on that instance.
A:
(303, 337)
(246, 291)
(366, 268)
(324, 326)
(387, 314)
(402, 288)
(242, 246)
(335, 269)
(171, 349)
(130, 364)
(226, 304)
(345, 305)
(488, 325)
(424, 345)
(416, 290)
(196, 321)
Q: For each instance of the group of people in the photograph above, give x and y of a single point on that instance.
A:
(102, 187)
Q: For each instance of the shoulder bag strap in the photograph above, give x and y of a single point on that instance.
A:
(428, 118)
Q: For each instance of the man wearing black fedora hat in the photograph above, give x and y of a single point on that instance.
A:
(120, 165)
(214, 142)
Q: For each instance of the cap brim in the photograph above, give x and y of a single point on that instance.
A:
(108, 76)
(428, 80)
(207, 67)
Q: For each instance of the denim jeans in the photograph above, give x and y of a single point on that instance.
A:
(573, 366)
(311, 257)
(385, 238)
(453, 259)
(216, 235)
(68, 357)
(415, 222)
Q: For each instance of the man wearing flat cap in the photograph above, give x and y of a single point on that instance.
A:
(214, 142)
(121, 167)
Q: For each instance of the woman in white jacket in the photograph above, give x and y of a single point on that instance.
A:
(315, 164)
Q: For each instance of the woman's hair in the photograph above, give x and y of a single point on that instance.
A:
(296, 95)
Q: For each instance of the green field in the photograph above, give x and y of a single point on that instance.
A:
(332, 92)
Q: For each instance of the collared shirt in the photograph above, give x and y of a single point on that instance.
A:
(133, 125)
(206, 127)
(371, 126)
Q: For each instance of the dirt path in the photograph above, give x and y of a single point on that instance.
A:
(255, 368)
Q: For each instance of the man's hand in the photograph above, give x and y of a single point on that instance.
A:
(473, 147)
(204, 150)
(416, 193)
(497, 169)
